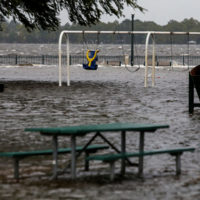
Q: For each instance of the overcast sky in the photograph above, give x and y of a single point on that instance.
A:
(159, 11)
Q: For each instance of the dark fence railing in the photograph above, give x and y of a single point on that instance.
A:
(79, 59)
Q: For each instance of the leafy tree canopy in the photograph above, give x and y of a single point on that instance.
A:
(43, 14)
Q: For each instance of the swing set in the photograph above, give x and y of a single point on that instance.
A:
(92, 59)
(92, 55)
(172, 53)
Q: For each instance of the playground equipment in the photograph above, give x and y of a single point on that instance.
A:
(149, 34)
(92, 59)
(65, 34)
(186, 55)
(194, 82)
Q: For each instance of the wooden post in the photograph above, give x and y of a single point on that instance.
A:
(191, 94)
(1, 87)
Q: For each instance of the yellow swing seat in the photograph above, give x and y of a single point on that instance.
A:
(92, 58)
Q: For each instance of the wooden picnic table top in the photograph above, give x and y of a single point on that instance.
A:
(84, 129)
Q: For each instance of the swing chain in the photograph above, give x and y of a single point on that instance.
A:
(171, 49)
(188, 48)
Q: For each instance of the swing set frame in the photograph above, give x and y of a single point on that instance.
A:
(149, 34)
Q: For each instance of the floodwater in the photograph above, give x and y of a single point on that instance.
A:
(105, 49)
(32, 98)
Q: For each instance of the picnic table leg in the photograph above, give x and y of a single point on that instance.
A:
(115, 148)
(84, 149)
(112, 170)
(73, 157)
(16, 168)
(123, 150)
(141, 150)
(86, 161)
(55, 157)
(178, 164)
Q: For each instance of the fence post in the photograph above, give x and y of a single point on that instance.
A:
(70, 59)
(191, 95)
(1, 87)
(43, 59)
(15, 59)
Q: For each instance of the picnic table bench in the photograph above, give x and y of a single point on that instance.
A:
(17, 156)
(112, 158)
(100, 130)
(114, 63)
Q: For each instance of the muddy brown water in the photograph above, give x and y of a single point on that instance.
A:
(32, 98)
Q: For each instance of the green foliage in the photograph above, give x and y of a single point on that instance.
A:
(17, 33)
(43, 14)
(32, 13)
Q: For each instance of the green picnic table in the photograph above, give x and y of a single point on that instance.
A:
(99, 130)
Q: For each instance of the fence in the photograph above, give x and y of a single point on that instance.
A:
(78, 59)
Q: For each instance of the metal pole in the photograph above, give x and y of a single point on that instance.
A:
(146, 60)
(188, 49)
(112, 170)
(123, 151)
(16, 168)
(178, 164)
(191, 94)
(153, 62)
(68, 61)
(1, 87)
(141, 150)
(43, 59)
(171, 43)
(73, 157)
(128, 32)
(55, 156)
(16, 60)
(60, 59)
(148, 33)
(132, 42)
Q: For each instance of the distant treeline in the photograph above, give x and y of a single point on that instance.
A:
(16, 33)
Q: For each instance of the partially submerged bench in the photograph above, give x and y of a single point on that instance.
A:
(17, 156)
(98, 130)
(164, 63)
(114, 63)
(112, 158)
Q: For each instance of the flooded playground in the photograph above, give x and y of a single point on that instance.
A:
(32, 98)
